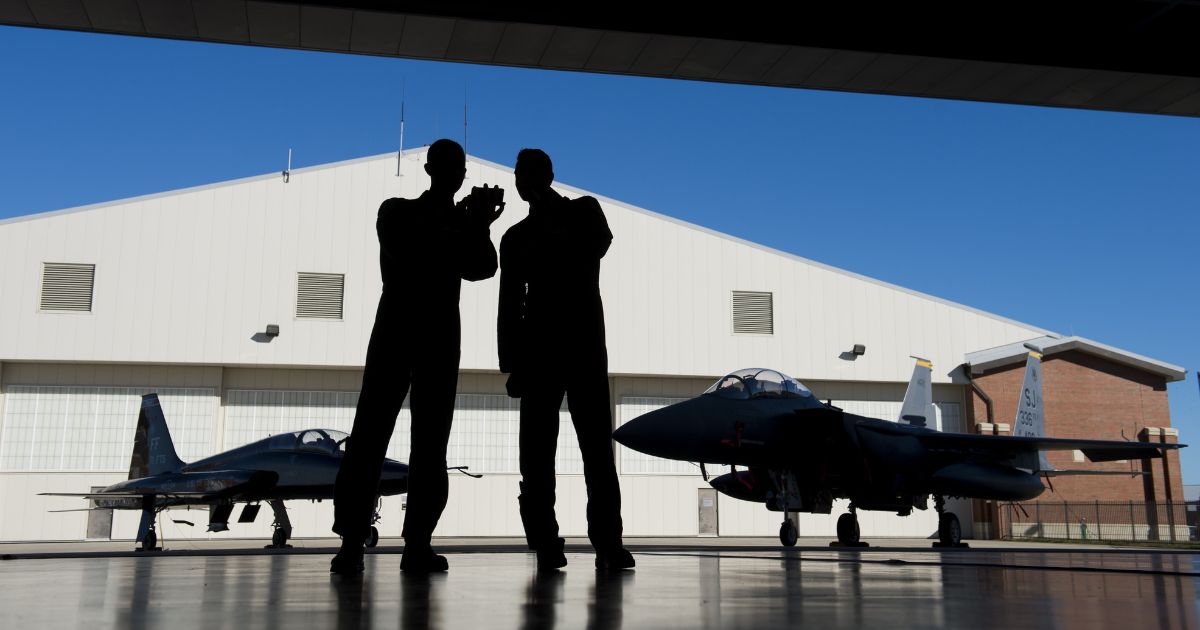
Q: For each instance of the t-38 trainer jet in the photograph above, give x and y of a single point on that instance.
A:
(300, 465)
(800, 454)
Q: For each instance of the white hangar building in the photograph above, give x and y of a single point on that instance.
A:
(174, 292)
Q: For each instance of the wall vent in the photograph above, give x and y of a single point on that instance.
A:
(67, 287)
(319, 295)
(753, 313)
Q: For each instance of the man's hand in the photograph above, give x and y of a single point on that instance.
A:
(484, 205)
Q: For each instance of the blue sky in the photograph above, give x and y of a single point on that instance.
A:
(1080, 222)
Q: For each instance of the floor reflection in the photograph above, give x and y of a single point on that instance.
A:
(698, 589)
(608, 599)
(544, 592)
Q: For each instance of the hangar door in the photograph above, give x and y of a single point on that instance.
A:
(64, 428)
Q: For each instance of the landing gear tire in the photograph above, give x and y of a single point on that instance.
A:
(949, 531)
(372, 537)
(847, 529)
(279, 539)
(150, 542)
(788, 534)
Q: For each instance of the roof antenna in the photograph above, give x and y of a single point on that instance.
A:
(400, 153)
(465, 153)
(287, 174)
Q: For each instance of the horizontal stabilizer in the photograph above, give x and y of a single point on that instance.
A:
(1119, 473)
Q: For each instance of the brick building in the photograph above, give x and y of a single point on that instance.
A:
(1090, 391)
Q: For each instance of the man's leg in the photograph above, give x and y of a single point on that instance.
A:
(356, 489)
(432, 402)
(588, 401)
(538, 443)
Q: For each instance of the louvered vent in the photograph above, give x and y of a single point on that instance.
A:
(753, 313)
(319, 295)
(67, 287)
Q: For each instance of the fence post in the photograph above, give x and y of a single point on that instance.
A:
(1099, 535)
(1132, 527)
(1067, 519)
(1171, 518)
(1041, 528)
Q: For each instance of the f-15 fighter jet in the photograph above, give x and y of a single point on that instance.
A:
(800, 454)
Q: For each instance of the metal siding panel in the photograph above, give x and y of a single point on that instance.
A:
(64, 13)
(174, 19)
(325, 28)
(226, 20)
(376, 33)
(271, 23)
(115, 15)
(616, 52)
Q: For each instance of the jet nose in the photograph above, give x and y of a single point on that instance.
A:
(647, 433)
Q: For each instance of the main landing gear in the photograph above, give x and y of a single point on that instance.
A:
(373, 533)
(147, 535)
(949, 530)
(848, 531)
(788, 534)
(282, 525)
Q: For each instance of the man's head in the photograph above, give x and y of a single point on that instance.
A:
(534, 174)
(446, 164)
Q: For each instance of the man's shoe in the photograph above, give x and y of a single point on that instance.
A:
(614, 559)
(348, 561)
(551, 560)
(422, 560)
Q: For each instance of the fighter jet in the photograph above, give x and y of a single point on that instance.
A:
(800, 454)
(300, 465)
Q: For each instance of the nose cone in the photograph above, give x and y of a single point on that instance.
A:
(671, 432)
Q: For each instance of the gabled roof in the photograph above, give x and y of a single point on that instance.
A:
(984, 360)
(560, 186)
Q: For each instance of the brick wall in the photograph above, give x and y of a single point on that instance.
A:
(1090, 397)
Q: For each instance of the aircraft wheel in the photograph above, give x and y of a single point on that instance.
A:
(949, 531)
(279, 538)
(847, 529)
(372, 537)
(150, 541)
(788, 533)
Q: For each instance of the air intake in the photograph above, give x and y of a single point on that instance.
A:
(319, 295)
(67, 287)
(753, 313)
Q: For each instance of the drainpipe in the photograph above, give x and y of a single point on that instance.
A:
(987, 400)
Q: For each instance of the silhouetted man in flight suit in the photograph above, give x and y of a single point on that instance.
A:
(551, 342)
(427, 246)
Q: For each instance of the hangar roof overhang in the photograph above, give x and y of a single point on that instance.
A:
(1124, 55)
(984, 360)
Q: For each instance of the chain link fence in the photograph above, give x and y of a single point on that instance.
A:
(1100, 521)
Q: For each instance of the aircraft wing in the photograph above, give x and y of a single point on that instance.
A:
(1094, 450)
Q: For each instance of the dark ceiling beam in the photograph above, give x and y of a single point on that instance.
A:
(1120, 55)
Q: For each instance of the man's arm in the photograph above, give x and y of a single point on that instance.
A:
(510, 320)
(477, 254)
(595, 235)
(394, 229)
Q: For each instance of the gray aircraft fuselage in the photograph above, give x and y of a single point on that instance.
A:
(280, 467)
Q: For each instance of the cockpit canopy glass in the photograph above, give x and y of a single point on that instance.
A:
(758, 383)
(325, 441)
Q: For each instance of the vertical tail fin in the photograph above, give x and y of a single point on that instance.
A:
(1031, 414)
(917, 408)
(153, 450)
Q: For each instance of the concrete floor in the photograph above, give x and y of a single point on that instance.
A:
(684, 583)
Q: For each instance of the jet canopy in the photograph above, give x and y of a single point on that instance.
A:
(758, 383)
(325, 441)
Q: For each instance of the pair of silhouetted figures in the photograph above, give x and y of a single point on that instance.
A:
(551, 343)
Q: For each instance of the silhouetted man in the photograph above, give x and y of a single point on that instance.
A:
(427, 246)
(551, 342)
